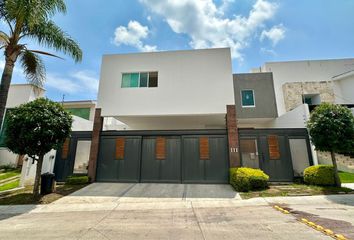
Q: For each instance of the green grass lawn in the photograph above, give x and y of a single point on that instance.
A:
(9, 174)
(346, 177)
(295, 190)
(10, 185)
(24, 196)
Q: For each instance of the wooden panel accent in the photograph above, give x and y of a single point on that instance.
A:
(204, 148)
(273, 145)
(65, 149)
(120, 146)
(160, 149)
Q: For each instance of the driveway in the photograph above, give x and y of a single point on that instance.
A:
(168, 211)
(147, 192)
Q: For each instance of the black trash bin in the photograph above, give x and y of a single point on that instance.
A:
(47, 183)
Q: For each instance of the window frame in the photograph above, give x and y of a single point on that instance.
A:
(254, 99)
(139, 73)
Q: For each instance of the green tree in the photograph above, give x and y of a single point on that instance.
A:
(331, 129)
(31, 20)
(35, 128)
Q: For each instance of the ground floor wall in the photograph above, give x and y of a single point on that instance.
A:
(8, 158)
(344, 163)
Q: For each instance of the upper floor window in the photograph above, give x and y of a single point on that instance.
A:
(247, 98)
(139, 79)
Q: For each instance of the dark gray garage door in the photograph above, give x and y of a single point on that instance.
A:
(166, 168)
(121, 169)
(164, 158)
(214, 169)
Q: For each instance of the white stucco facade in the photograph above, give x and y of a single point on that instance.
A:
(194, 88)
(18, 94)
(312, 71)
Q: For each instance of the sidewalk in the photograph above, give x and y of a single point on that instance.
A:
(110, 204)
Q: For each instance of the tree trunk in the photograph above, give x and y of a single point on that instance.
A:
(5, 85)
(336, 176)
(38, 177)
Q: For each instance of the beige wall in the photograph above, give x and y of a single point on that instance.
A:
(293, 92)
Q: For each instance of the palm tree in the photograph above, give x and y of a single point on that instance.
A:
(31, 20)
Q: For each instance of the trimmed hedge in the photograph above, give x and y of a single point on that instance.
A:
(246, 179)
(322, 175)
(73, 180)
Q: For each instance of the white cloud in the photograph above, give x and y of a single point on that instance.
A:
(275, 34)
(203, 23)
(132, 35)
(78, 82)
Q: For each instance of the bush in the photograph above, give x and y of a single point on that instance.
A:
(8, 167)
(245, 179)
(322, 175)
(74, 180)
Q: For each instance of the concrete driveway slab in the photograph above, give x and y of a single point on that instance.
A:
(211, 192)
(143, 192)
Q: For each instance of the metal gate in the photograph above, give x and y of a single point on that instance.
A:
(213, 169)
(178, 162)
(269, 150)
(65, 156)
(113, 169)
(164, 169)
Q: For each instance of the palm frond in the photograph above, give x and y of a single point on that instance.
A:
(50, 35)
(4, 38)
(33, 67)
(45, 53)
(31, 12)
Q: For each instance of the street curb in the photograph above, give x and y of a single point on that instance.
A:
(315, 226)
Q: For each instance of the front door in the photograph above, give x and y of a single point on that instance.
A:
(275, 159)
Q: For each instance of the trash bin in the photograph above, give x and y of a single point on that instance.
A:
(47, 183)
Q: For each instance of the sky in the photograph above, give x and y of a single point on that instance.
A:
(256, 31)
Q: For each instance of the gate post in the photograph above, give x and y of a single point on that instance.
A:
(95, 142)
(232, 134)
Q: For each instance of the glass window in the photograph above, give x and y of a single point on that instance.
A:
(134, 80)
(299, 155)
(143, 79)
(82, 156)
(126, 80)
(152, 79)
(249, 153)
(247, 97)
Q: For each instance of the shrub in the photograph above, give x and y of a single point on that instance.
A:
(245, 179)
(73, 180)
(322, 175)
(8, 167)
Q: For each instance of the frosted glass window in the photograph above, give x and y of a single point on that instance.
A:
(249, 153)
(82, 156)
(299, 155)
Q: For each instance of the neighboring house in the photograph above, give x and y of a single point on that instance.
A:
(83, 114)
(182, 116)
(301, 85)
(18, 94)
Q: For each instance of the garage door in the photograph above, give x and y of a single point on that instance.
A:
(161, 159)
(205, 159)
(119, 159)
(181, 158)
